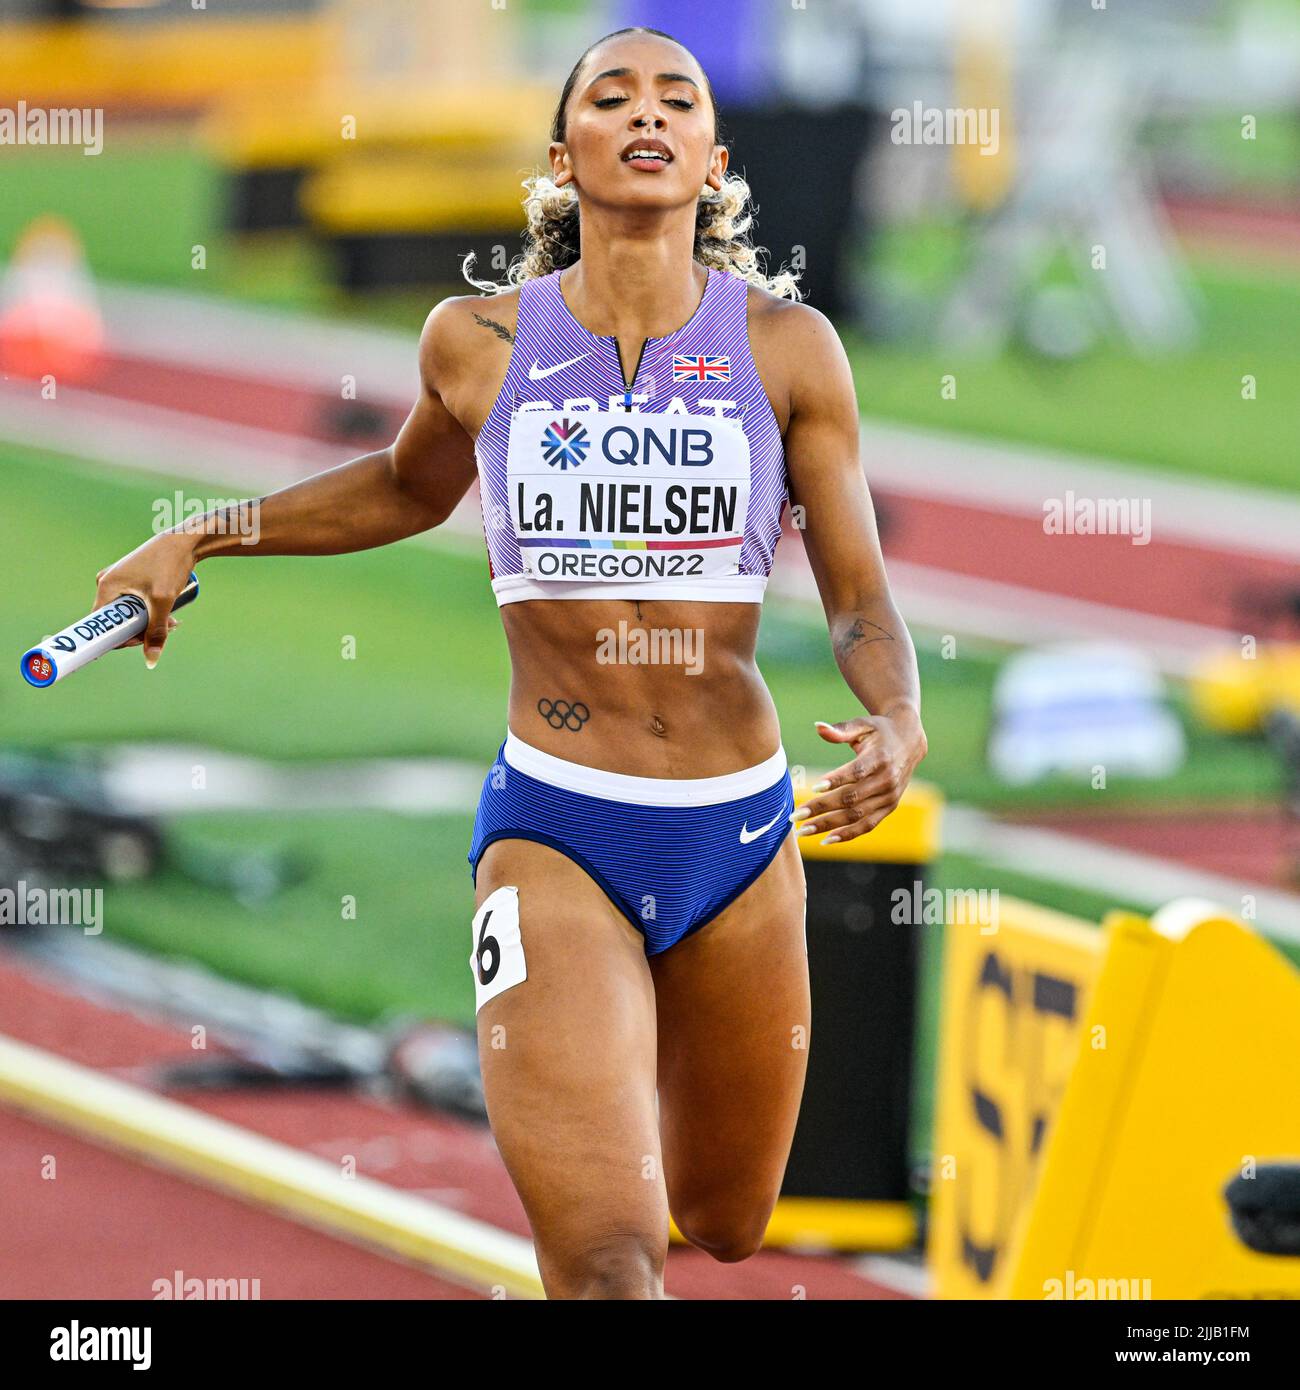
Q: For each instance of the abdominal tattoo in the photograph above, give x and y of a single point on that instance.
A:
(498, 328)
(862, 632)
(564, 714)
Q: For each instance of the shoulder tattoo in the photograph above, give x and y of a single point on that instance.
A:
(499, 329)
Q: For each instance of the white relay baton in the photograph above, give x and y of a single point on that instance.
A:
(99, 632)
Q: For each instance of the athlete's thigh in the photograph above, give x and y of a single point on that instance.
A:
(568, 1059)
(733, 1011)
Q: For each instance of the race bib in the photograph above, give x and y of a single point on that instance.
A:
(617, 495)
(497, 958)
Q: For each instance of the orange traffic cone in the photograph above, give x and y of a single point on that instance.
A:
(50, 323)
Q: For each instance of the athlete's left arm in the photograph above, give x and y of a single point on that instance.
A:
(871, 643)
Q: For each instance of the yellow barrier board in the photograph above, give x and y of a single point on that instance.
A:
(1014, 995)
(908, 835)
(1234, 693)
(833, 1223)
(1189, 1074)
(176, 61)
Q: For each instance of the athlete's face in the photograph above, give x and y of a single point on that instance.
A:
(640, 92)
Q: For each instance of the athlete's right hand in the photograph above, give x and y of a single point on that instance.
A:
(156, 571)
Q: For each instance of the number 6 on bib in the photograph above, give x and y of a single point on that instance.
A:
(497, 959)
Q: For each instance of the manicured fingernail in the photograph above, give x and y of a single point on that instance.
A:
(822, 787)
(831, 840)
(808, 830)
(802, 813)
(150, 660)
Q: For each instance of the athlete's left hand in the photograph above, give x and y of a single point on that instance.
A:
(855, 798)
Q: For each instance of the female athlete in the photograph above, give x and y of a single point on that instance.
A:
(638, 403)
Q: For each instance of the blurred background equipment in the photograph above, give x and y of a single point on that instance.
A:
(437, 1066)
(443, 133)
(1014, 1000)
(1265, 1207)
(818, 226)
(1090, 1103)
(1191, 1037)
(62, 822)
(848, 1181)
(58, 826)
(1238, 690)
(1078, 710)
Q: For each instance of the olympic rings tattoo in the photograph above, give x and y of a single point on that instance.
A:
(560, 714)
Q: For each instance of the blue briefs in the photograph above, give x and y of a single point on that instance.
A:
(669, 854)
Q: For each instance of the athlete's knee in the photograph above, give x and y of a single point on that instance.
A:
(627, 1266)
(729, 1236)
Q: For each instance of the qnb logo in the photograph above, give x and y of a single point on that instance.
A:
(565, 443)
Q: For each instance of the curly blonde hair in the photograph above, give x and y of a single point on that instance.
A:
(723, 217)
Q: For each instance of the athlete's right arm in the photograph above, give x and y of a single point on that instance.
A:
(410, 486)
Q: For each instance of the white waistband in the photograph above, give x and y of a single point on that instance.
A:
(643, 791)
(720, 588)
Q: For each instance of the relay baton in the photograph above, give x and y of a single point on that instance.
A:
(101, 631)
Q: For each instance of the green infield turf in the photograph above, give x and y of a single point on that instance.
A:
(1184, 411)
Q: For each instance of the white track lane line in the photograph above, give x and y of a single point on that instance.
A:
(288, 1180)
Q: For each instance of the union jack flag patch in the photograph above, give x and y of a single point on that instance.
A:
(701, 368)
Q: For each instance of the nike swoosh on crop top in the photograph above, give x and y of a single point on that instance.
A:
(671, 487)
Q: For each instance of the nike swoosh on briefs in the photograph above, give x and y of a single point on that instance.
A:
(539, 373)
(748, 836)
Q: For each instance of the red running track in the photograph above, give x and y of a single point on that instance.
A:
(108, 1225)
(84, 1222)
(1258, 846)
